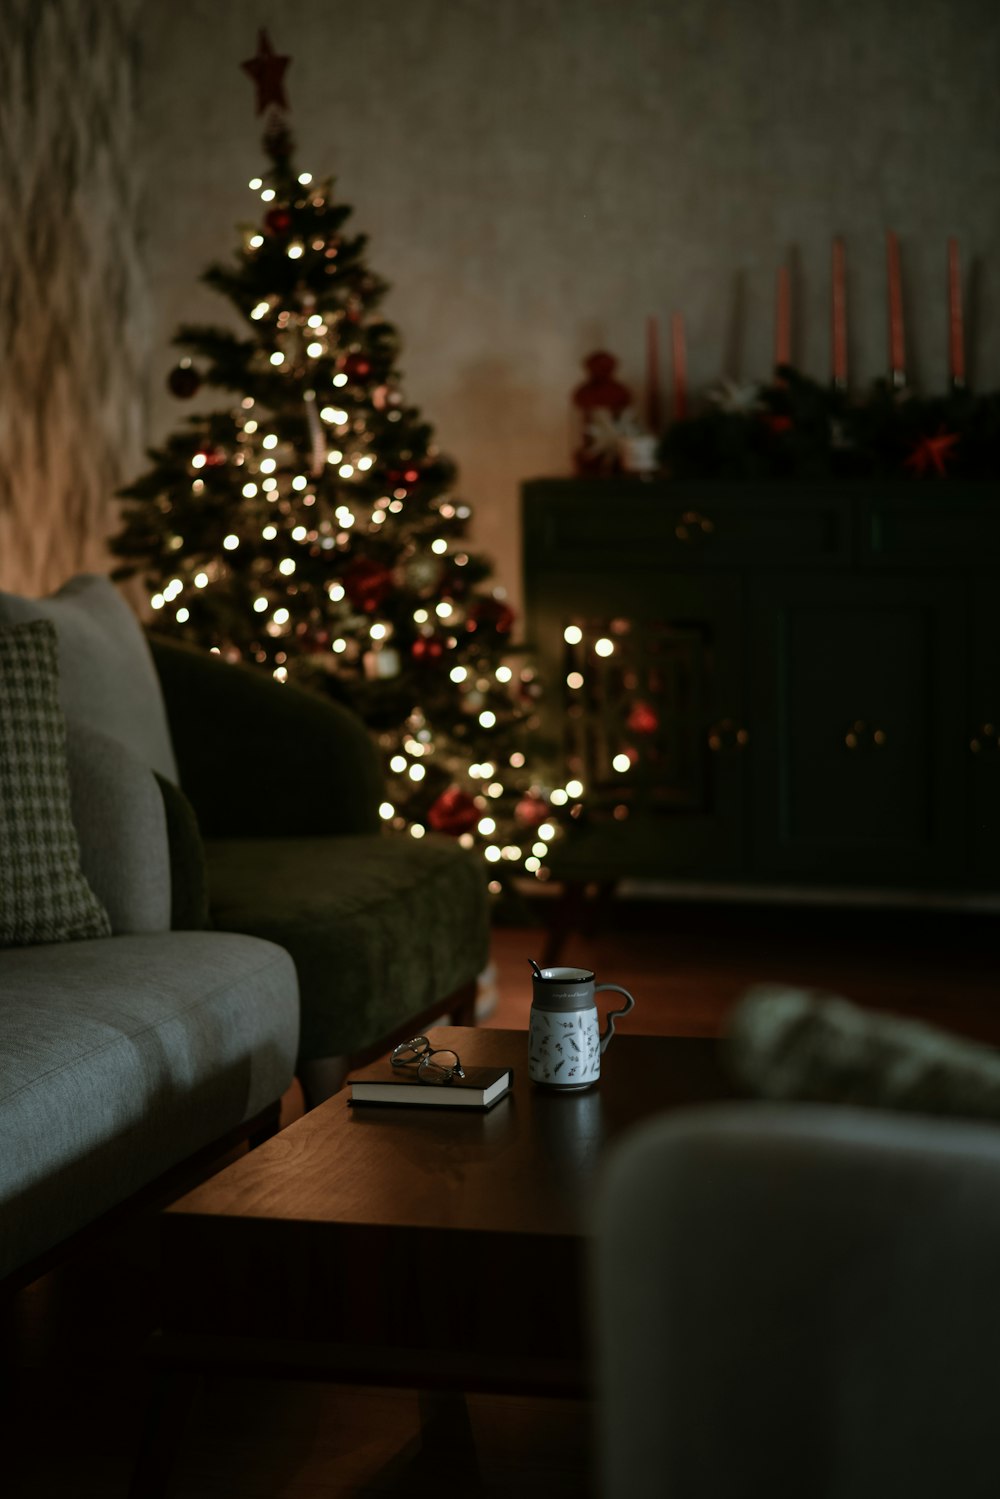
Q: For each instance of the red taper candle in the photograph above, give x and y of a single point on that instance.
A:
(897, 341)
(838, 316)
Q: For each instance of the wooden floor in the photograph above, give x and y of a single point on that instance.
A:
(74, 1384)
(688, 962)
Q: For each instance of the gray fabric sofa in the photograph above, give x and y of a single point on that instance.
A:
(123, 1056)
(309, 938)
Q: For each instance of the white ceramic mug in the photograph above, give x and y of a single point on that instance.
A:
(565, 1042)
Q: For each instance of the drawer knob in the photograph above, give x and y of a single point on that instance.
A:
(727, 734)
(862, 736)
(692, 526)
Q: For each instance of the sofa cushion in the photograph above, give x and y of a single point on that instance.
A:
(804, 1045)
(122, 827)
(381, 928)
(44, 896)
(188, 869)
(123, 1057)
(106, 675)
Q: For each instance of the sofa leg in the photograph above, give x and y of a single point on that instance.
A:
(463, 1004)
(264, 1126)
(445, 1426)
(170, 1401)
(322, 1078)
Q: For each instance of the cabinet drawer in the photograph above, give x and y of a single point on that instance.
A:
(929, 525)
(583, 525)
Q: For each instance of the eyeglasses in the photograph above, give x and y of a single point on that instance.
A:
(432, 1066)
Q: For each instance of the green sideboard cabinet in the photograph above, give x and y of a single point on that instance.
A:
(982, 725)
(772, 684)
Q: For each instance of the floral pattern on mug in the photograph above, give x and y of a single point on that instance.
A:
(564, 1049)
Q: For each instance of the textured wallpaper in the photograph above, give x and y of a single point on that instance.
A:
(72, 299)
(536, 177)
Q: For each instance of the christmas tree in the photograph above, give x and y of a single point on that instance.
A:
(310, 525)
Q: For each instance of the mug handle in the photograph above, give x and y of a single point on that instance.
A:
(609, 1029)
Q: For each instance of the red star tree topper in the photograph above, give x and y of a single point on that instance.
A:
(267, 70)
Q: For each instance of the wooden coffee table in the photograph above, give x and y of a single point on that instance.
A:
(421, 1248)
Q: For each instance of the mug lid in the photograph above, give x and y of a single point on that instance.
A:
(564, 976)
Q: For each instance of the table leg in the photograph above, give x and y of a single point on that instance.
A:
(170, 1400)
(442, 1458)
(448, 1443)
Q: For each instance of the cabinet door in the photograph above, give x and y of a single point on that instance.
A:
(645, 698)
(856, 702)
(982, 744)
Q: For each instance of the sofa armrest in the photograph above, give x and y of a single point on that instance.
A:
(256, 758)
(797, 1299)
(121, 825)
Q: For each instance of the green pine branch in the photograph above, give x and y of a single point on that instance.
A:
(219, 346)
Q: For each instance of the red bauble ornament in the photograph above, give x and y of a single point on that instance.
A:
(642, 719)
(278, 221)
(454, 812)
(357, 366)
(427, 648)
(531, 811)
(490, 614)
(399, 478)
(184, 381)
(367, 583)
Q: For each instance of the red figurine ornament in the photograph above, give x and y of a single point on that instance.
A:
(601, 401)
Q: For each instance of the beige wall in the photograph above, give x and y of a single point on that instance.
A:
(72, 293)
(537, 176)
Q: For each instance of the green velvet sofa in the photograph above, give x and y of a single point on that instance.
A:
(387, 932)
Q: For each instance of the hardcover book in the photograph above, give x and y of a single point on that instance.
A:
(480, 1088)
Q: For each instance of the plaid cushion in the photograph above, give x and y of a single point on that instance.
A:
(43, 894)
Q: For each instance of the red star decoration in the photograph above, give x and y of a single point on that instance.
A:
(931, 454)
(267, 70)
